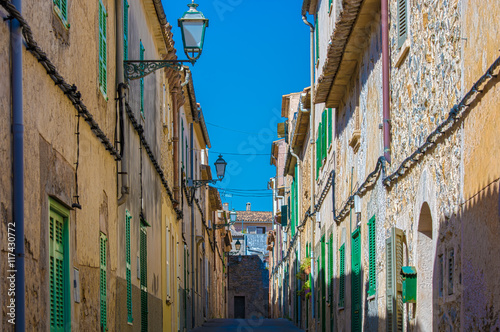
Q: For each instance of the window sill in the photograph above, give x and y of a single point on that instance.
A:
(403, 52)
(371, 297)
(341, 309)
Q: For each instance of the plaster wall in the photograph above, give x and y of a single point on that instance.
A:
(50, 154)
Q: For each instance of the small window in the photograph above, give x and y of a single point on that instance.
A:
(402, 22)
(61, 9)
(261, 230)
(103, 69)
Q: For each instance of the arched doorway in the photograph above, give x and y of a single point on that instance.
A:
(425, 262)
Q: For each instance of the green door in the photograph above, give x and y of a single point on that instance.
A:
(356, 282)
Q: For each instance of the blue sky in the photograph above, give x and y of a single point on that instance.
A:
(255, 51)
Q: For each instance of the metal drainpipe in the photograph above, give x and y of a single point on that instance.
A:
(385, 80)
(121, 87)
(18, 164)
(312, 143)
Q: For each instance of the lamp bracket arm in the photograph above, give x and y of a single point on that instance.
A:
(135, 69)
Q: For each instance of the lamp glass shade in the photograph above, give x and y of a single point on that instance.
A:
(220, 167)
(232, 216)
(237, 245)
(193, 25)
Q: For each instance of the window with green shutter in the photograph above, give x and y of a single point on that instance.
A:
(330, 124)
(324, 134)
(103, 70)
(142, 50)
(394, 282)
(342, 276)
(402, 22)
(125, 29)
(61, 9)
(318, 163)
(60, 306)
(356, 282)
(128, 217)
(103, 282)
(284, 215)
(144, 276)
(372, 282)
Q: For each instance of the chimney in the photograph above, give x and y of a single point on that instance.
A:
(226, 206)
(249, 205)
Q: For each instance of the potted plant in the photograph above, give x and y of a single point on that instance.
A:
(305, 267)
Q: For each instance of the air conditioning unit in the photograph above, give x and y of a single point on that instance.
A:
(318, 216)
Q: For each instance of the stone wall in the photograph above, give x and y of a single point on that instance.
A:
(248, 277)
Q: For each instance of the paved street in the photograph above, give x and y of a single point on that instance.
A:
(247, 325)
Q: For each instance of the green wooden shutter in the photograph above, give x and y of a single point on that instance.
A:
(394, 296)
(324, 134)
(128, 217)
(103, 282)
(318, 164)
(64, 10)
(144, 278)
(402, 21)
(372, 259)
(342, 276)
(284, 215)
(356, 282)
(56, 248)
(142, 50)
(60, 315)
(102, 49)
(125, 29)
(330, 124)
(389, 281)
(330, 270)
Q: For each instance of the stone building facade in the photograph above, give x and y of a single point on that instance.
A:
(403, 176)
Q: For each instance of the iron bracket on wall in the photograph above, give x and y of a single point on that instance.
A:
(135, 69)
(195, 184)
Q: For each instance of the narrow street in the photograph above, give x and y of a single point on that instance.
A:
(247, 325)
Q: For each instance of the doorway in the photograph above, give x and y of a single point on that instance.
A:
(239, 307)
(425, 260)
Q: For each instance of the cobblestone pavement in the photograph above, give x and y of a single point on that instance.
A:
(248, 325)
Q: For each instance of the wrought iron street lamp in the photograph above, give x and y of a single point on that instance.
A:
(193, 25)
(232, 216)
(237, 245)
(220, 167)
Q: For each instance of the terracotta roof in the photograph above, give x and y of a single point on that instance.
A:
(256, 216)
